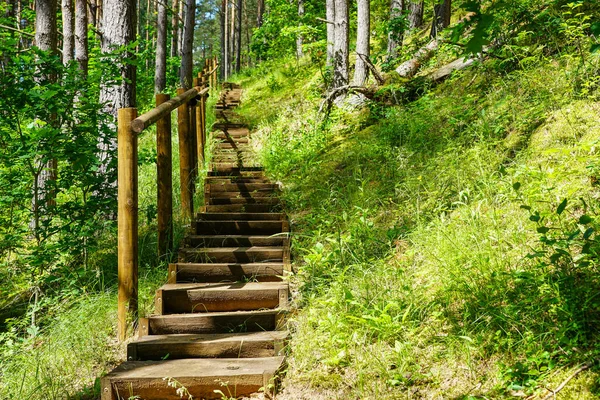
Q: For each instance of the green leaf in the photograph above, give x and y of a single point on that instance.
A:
(595, 47)
(595, 28)
(525, 207)
(543, 229)
(588, 233)
(585, 219)
(516, 186)
(561, 207)
(534, 218)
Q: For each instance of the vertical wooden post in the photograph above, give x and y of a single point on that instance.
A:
(164, 177)
(193, 142)
(127, 222)
(205, 82)
(185, 159)
(199, 125)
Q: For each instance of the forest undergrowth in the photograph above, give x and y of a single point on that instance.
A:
(445, 247)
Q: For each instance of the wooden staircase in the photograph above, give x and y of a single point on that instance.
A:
(218, 322)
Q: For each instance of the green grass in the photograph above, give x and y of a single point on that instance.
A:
(413, 253)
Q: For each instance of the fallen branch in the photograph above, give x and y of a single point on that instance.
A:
(564, 383)
(448, 69)
(372, 68)
(336, 92)
(324, 20)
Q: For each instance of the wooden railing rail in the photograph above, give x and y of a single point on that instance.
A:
(191, 121)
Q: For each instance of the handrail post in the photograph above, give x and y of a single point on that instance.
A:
(185, 160)
(164, 177)
(193, 141)
(203, 110)
(199, 124)
(127, 222)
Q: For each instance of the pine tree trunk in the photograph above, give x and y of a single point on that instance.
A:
(415, 13)
(260, 10)
(187, 62)
(68, 31)
(395, 38)
(231, 39)
(363, 37)
(441, 19)
(330, 17)
(226, 40)
(223, 25)
(81, 38)
(341, 44)
(299, 38)
(238, 59)
(160, 74)
(118, 23)
(181, 25)
(175, 29)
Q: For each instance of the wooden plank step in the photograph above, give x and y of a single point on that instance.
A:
(234, 240)
(201, 377)
(219, 345)
(243, 200)
(183, 298)
(243, 187)
(244, 194)
(241, 216)
(231, 254)
(219, 180)
(225, 272)
(241, 208)
(236, 171)
(238, 227)
(212, 322)
(230, 125)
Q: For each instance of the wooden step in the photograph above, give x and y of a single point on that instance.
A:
(231, 254)
(243, 187)
(183, 298)
(243, 200)
(220, 180)
(238, 172)
(245, 194)
(234, 240)
(241, 208)
(231, 125)
(200, 377)
(219, 345)
(212, 322)
(225, 272)
(246, 216)
(238, 227)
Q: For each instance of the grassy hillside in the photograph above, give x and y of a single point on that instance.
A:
(444, 247)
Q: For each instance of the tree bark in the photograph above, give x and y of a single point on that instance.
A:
(160, 74)
(231, 38)
(395, 38)
(175, 28)
(415, 13)
(299, 38)
(238, 59)
(441, 18)
(118, 23)
(260, 10)
(181, 25)
(81, 38)
(187, 62)
(363, 37)
(68, 30)
(330, 16)
(223, 23)
(341, 44)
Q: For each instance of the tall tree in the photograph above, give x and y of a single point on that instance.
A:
(363, 37)
(223, 26)
(415, 13)
(160, 74)
(299, 38)
(175, 28)
(441, 18)
(341, 44)
(180, 26)
(395, 35)
(68, 21)
(187, 62)
(238, 57)
(260, 9)
(81, 38)
(330, 17)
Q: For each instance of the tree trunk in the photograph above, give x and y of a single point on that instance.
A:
(238, 60)
(68, 31)
(175, 29)
(187, 62)
(415, 13)
(363, 36)
(223, 23)
(441, 18)
(330, 17)
(118, 25)
(299, 38)
(231, 38)
(395, 38)
(341, 44)
(160, 74)
(99, 13)
(81, 38)
(260, 10)
(180, 27)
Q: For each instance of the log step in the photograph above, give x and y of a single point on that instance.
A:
(241, 208)
(201, 377)
(243, 200)
(243, 187)
(220, 345)
(225, 272)
(245, 216)
(183, 298)
(234, 240)
(238, 227)
(212, 322)
(231, 254)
